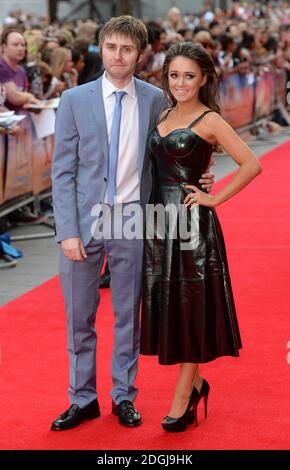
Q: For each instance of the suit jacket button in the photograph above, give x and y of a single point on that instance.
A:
(105, 179)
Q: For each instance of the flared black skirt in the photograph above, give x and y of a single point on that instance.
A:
(188, 310)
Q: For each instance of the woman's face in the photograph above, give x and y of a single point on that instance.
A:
(185, 79)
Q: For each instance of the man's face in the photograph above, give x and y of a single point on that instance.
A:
(14, 49)
(120, 56)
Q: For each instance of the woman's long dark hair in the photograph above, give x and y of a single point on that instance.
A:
(209, 92)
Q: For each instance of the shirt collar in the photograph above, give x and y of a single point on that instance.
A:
(109, 88)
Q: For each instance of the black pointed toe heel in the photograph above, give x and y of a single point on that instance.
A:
(176, 424)
(180, 424)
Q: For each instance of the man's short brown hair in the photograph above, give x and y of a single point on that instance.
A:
(7, 32)
(127, 26)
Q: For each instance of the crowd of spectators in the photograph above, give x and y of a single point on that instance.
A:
(39, 60)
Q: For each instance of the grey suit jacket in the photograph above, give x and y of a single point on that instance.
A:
(81, 154)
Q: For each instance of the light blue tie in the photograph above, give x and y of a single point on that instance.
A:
(114, 147)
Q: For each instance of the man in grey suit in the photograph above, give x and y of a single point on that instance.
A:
(90, 120)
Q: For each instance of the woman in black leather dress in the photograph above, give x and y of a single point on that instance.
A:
(188, 311)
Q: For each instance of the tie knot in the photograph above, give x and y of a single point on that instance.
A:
(119, 95)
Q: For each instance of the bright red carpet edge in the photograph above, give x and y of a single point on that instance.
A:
(249, 398)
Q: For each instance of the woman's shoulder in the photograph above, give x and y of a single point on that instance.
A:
(211, 115)
(212, 118)
(216, 127)
(163, 115)
(215, 120)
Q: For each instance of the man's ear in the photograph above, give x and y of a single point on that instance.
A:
(140, 57)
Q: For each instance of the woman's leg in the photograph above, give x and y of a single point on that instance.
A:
(183, 389)
(197, 380)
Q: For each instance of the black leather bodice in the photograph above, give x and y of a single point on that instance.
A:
(179, 157)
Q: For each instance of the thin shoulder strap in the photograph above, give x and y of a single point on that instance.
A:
(199, 118)
(165, 116)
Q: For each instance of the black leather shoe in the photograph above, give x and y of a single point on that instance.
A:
(128, 415)
(72, 417)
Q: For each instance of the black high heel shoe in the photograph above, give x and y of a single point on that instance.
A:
(204, 391)
(180, 424)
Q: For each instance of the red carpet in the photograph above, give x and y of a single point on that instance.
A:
(249, 398)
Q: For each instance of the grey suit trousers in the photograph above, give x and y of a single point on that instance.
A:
(80, 282)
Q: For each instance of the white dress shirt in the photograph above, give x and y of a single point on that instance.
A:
(128, 188)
